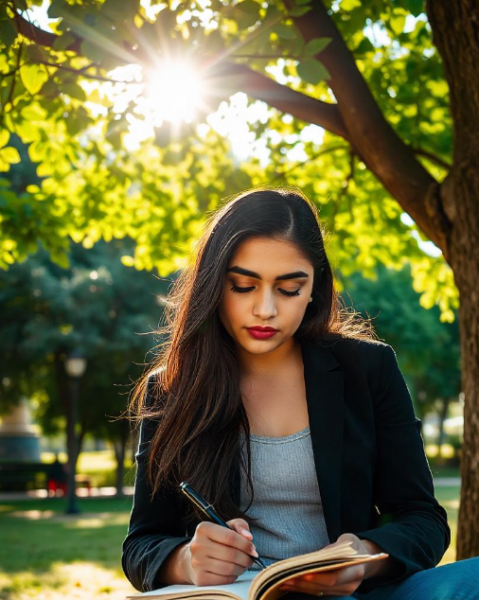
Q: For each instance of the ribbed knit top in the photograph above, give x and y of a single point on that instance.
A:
(287, 500)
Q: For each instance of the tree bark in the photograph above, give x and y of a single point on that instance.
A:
(442, 417)
(455, 27)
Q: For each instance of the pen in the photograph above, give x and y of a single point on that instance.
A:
(208, 510)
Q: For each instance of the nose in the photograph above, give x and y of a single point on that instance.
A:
(265, 306)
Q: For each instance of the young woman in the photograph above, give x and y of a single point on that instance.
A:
(285, 413)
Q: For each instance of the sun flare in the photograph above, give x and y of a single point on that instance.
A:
(173, 94)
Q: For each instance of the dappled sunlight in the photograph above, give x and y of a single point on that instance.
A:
(81, 521)
(76, 580)
(95, 521)
(451, 504)
(33, 515)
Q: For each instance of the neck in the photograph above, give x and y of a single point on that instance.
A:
(270, 363)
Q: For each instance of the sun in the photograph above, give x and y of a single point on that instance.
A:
(173, 93)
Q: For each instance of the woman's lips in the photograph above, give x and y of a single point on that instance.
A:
(257, 334)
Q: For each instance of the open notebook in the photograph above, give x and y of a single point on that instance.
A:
(264, 585)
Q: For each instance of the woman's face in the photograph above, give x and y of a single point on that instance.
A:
(268, 283)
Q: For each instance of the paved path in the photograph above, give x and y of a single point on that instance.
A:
(81, 492)
(104, 492)
(447, 481)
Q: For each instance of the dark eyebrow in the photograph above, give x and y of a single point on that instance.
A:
(242, 271)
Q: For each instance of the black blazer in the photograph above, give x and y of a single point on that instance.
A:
(370, 463)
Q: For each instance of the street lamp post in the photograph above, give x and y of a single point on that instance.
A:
(75, 366)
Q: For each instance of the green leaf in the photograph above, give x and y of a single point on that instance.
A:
(10, 155)
(74, 91)
(120, 10)
(350, 4)
(284, 31)
(34, 54)
(416, 7)
(64, 41)
(60, 258)
(248, 13)
(58, 8)
(50, 89)
(397, 22)
(312, 71)
(33, 77)
(299, 11)
(4, 137)
(4, 16)
(316, 46)
(93, 51)
(365, 46)
(249, 6)
(8, 33)
(34, 112)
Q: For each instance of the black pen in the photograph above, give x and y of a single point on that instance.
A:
(208, 510)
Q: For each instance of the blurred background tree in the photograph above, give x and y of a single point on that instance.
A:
(96, 306)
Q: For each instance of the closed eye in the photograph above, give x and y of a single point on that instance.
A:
(240, 290)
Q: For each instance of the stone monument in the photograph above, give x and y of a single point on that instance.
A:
(19, 439)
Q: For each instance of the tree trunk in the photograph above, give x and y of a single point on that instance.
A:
(442, 417)
(455, 27)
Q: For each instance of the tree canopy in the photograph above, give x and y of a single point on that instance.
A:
(75, 94)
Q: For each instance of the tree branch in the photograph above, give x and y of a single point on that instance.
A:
(228, 78)
(385, 154)
(83, 73)
(40, 36)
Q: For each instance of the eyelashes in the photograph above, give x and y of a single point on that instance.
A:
(240, 290)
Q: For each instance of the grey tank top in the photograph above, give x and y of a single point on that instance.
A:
(287, 501)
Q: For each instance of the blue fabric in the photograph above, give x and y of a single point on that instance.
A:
(454, 581)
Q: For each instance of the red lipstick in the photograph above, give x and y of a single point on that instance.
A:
(261, 333)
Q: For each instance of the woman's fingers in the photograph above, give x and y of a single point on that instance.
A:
(224, 544)
(241, 526)
(228, 537)
(231, 555)
(225, 569)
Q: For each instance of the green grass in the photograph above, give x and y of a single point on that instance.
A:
(449, 498)
(45, 553)
(49, 555)
(60, 555)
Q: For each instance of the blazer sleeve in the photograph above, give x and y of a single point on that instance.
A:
(156, 523)
(413, 526)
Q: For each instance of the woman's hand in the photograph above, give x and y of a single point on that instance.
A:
(340, 582)
(216, 555)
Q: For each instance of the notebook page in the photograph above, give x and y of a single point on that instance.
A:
(240, 588)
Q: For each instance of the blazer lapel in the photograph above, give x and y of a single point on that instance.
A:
(324, 394)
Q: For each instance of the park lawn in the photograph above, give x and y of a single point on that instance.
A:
(48, 555)
(449, 498)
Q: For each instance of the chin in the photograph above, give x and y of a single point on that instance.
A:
(258, 346)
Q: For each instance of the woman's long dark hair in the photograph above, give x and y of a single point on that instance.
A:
(195, 382)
